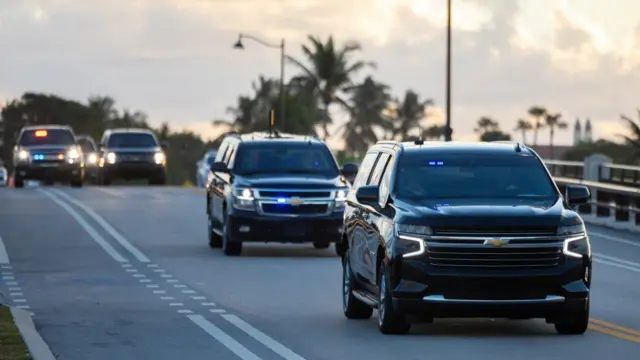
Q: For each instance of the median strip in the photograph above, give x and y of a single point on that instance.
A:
(12, 346)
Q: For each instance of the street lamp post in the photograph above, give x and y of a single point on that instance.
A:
(448, 130)
(281, 46)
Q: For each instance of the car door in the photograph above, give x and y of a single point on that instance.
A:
(371, 216)
(356, 222)
(380, 220)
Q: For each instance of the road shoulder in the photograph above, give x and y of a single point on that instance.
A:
(18, 329)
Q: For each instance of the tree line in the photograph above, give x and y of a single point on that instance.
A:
(325, 80)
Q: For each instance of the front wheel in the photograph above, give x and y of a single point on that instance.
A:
(574, 324)
(390, 320)
(76, 183)
(229, 248)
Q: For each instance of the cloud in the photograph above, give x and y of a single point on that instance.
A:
(173, 58)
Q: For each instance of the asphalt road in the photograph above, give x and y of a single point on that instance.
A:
(126, 273)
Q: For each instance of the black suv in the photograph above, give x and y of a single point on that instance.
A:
(47, 153)
(282, 188)
(463, 230)
(131, 154)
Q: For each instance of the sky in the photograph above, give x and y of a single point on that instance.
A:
(173, 59)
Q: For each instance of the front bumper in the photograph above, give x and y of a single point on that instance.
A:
(133, 170)
(50, 171)
(245, 226)
(433, 292)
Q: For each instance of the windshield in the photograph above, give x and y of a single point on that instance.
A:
(132, 140)
(47, 137)
(428, 176)
(289, 158)
(86, 145)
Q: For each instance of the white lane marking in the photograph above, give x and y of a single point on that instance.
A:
(185, 311)
(208, 304)
(8, 278)
(179, 286)
(4, 257)
(188, 292)
(159, 292)
(126, 265)
(198, 297)
(172, 281)
(217, 311)
(166, 276)
(19, 300)
(613, 238)
(88, 228)
(152, 286)
(106, 226)
(166, 298)
(16, 294)
(145, 280)
(11, 283)
(262, 338)
(5, 266)
(223, 338)
(152, 265)
(15, 288)
(138, 275)
(176, 304)
(131, 270)
(159, 270)
(618, 265)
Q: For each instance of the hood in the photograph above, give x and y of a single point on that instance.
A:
(134, 150)
(481, 213)
(279, 181)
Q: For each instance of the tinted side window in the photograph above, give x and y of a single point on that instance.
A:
(230, 152)
(377, 172)
(222, 151)
(365, 169)
(385, 183)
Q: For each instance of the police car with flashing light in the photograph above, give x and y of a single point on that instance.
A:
(274, 188)
(48, 153)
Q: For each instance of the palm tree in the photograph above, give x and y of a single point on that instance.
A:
(242, 115)
(433, 132)
(330, 71)
(537, 113)
(523, 126)
(370, 100)
(409, 113)
(485, 125)
(553, 121)
(633, 139)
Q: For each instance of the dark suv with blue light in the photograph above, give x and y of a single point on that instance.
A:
(463, 230)
(274, 188)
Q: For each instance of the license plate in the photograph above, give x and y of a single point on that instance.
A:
(293, 230)
(49, 165)
(135, 158)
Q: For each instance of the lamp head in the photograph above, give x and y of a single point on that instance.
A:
(238, 45)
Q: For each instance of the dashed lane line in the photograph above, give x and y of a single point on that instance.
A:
(8, 277)
(199, 320)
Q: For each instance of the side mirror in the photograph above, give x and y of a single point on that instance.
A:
(219, 167)
(367, 195)
(577, 195)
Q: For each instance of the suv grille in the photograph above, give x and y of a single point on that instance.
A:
(293, 193)
(519, 248)
(304, 209)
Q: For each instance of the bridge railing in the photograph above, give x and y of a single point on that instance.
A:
(615, 190)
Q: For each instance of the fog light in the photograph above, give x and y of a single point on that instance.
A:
(244, 229)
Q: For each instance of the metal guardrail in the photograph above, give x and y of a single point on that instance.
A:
(615, 191)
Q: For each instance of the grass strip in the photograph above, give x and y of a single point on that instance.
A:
(12, 347)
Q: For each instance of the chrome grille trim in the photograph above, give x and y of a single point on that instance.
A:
(326, 200)
(472, 252)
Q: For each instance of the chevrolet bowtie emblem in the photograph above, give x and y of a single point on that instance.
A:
(295, 201)
(496, 242)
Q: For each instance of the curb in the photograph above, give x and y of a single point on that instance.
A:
(37, 347)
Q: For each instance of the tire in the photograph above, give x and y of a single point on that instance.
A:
(351, 306)
(390, 321)
(157, 181)
(215, 240)
(229, 248)
(76, 183)
(18, 182)
(104, 180)
(321, 245)
(576, 324)
(48, 182)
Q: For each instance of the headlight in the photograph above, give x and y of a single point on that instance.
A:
(576, 244)
(243, 199)
(159, 158)
(23, 155)
(92, 159)
(409, 239)
(341, 197)
(111, 158)
(73, 154)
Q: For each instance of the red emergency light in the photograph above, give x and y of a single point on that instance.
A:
(41, 133)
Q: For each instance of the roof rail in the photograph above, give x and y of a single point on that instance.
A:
(387, 142)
